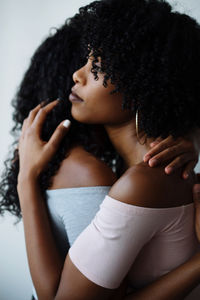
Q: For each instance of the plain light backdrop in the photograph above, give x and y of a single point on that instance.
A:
(24, 24)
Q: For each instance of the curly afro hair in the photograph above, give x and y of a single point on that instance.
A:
(152, 56)
(49, 77)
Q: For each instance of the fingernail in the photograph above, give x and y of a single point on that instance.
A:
(186, 175)
(44, 102)
(153, 162)
(168, 170)
(152, 144)
(66, 123)
(146, 158)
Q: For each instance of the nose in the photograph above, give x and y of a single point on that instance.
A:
(78, 76)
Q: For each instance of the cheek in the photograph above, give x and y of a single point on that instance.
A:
(84, 113)
(94, 109)
(77, 114)
(101, 112)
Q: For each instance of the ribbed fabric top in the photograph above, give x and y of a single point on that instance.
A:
(72, 209)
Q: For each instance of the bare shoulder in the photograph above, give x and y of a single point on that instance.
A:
(82, 169)
(133, 187)
(151, 187)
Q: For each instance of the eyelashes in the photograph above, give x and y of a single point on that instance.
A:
(97, 68)
(95, 73)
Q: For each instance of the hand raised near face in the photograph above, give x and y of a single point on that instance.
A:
(34, 153)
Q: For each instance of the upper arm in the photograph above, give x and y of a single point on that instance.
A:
(75, 286)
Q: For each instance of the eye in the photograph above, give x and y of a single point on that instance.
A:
(97, 68)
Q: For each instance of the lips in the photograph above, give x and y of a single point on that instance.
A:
(73, 97)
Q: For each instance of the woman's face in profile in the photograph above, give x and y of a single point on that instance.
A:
(92, 102)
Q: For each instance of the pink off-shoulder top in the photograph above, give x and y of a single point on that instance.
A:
(139, 242)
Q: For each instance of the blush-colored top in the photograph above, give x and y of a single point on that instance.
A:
(142, 243)
(71, 211)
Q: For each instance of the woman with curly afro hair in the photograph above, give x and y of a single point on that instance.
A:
(94, 102)
(48, 77)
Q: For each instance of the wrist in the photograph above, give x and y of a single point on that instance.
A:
(25, 179)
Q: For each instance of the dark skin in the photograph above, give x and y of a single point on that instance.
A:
(45, 263)
(81, 169)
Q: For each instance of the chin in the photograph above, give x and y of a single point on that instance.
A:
(86, 117)
(80, 117)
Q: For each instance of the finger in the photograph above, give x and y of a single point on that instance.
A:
(165, 155)
(32, 114)
(57, 136)
(24, 125)
(41, 115)
(153, 144)
(196, 198)
(178, 162)
(156, 142)
(163, 145)
(189, 168)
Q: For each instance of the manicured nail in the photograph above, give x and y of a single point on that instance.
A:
(152, 144)
(153, 162)
(66, 123)
(168, 170)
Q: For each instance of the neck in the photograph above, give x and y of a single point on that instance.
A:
(124, 139)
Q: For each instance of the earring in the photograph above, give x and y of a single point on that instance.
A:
(137, 129)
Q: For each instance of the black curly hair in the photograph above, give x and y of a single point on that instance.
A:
(152, 56)
(49, 77)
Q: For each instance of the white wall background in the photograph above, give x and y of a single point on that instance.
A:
(23, 25)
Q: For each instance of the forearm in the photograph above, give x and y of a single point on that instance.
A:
(43, 256)
(175, 285)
